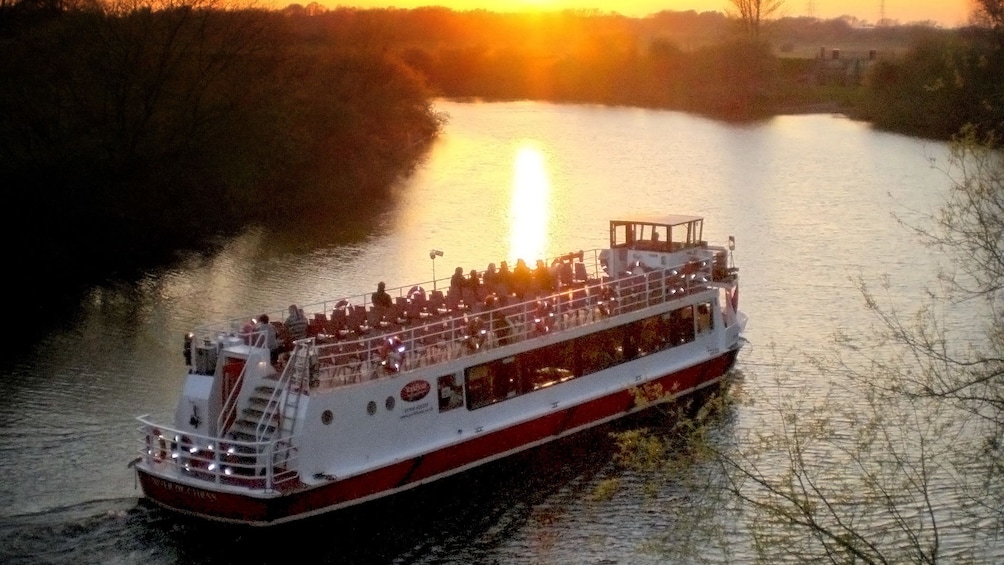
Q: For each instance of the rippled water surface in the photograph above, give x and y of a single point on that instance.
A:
(810, 200)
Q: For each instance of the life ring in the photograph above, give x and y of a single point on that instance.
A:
(542, 317)
(391, 354)
(476, 334)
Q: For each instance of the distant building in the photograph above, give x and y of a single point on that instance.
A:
(845, 68)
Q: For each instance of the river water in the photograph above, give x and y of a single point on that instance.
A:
(812, 201)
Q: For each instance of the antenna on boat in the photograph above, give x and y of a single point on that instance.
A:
(433, 253)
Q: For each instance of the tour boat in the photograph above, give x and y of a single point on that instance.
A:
(374, 400)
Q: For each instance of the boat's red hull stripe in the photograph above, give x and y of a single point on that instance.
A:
(241, 508)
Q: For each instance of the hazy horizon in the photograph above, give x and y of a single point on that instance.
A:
(947, 13)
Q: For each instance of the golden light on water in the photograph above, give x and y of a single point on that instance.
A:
(529, 208)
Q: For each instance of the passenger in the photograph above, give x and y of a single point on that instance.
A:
(490, 278)
(500, 325)
(554, 272)
(296, 323)
(542, 277)
(504, 279)
(474, 284)
(248, 331)
(457, 283)
(269, 337)
(522, 278)
(380, 298)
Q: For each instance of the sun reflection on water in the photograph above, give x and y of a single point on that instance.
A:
(529, 208)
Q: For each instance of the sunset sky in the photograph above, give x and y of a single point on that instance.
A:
(946, 12)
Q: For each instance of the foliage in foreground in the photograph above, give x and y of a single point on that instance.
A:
(903, 461)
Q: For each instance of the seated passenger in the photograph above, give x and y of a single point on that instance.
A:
(490, 278)
(473, 284)
(542, 277)
(522, 278)
(296, 323)
(504, 280)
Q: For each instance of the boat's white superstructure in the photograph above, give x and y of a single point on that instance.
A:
(381, 399)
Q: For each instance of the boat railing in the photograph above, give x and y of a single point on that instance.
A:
(432, 335)
(265, 465)
(578, 267)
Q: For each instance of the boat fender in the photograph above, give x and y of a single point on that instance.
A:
(391, 354)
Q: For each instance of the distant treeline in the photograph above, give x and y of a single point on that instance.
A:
(130, 130)
(913, 78)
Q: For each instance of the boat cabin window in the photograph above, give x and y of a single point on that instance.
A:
(451, 395)
(552, 365)
(672, 235)
(705, 321)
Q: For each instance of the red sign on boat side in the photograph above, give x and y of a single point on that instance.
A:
(415, 391)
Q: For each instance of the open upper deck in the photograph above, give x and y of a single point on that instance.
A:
(658, 233)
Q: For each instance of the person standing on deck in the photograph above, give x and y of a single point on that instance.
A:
(380, 298)
(457, 283)
(296, 323)
(270, 338)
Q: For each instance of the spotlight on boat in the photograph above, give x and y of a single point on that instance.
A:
(433, 253)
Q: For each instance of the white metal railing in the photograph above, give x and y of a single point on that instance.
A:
(440, 335)
(211, 333)
(259, 465)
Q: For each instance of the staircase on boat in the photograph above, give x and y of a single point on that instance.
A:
(264, 428)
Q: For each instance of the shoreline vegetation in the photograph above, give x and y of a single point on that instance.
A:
(130, 131)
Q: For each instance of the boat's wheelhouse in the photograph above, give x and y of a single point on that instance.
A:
(664, 234)
(652, 243)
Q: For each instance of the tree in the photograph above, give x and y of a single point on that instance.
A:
(989, 12)
(753, 13)
(913, 470)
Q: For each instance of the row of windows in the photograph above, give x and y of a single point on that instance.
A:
(524, 373)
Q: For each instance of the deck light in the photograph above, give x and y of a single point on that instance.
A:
(433, 253)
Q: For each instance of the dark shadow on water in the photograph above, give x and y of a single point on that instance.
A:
(49, 290)
(462, 519)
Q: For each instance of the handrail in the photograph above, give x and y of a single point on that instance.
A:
(209, 332)
(222, 461)
(446, 336)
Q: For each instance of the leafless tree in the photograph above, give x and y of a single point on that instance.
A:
(753, 13)
(912, 470)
